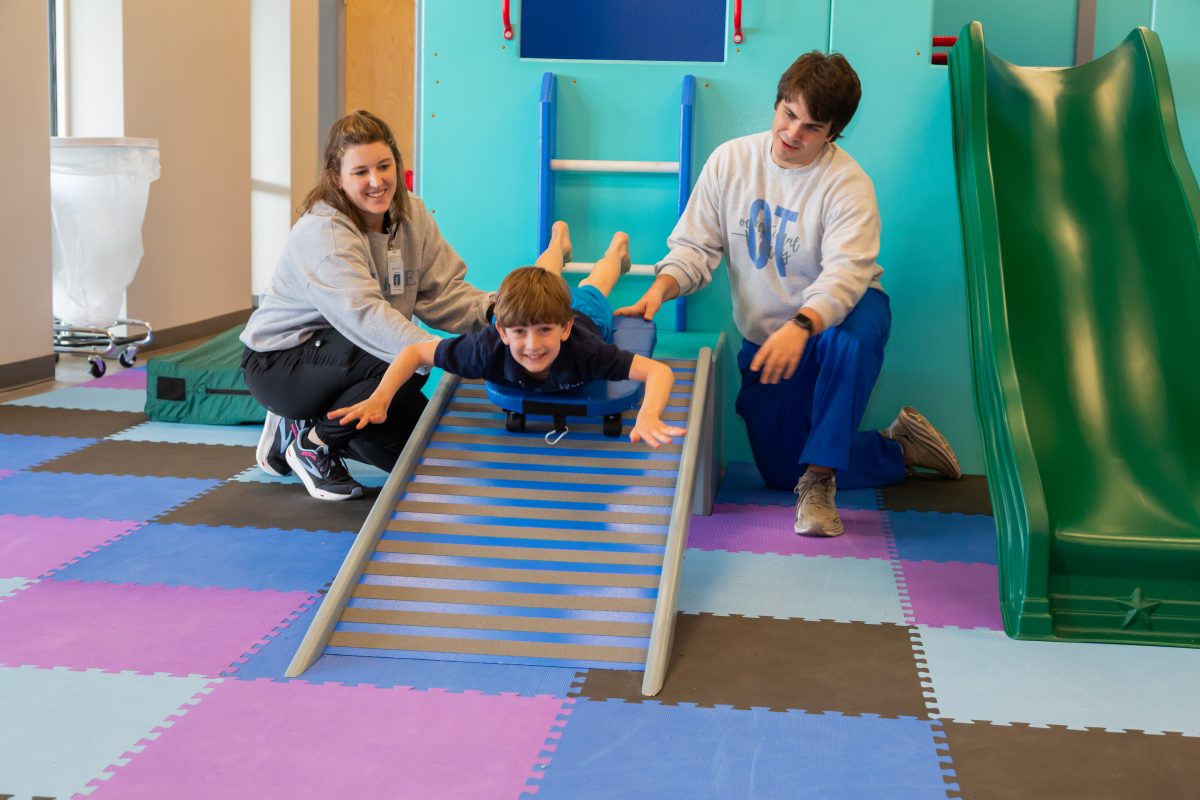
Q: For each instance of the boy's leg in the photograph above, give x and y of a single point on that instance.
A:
(611, 266)
(558, 252)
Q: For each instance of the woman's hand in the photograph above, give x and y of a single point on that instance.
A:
(371, 411)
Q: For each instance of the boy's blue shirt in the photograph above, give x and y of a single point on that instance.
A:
(584, 357)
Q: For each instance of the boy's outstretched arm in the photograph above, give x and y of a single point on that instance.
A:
(374, 408)
(659, 378)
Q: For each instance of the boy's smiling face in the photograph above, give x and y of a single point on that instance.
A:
(535, 346)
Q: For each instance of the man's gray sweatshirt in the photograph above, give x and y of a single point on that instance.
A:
(807, 236)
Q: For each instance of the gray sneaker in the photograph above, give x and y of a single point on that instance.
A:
(924, 446)
(816, 514)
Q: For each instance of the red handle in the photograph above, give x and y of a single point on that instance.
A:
(508, 34)
(939, 58)
(737, 22)
(944, 41)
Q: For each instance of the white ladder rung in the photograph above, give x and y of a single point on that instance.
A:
(585, 165)
(586, 267)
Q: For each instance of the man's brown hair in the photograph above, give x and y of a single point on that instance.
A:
(532, 296)
(829, 86)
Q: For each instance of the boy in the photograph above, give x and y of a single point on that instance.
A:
(546, 338)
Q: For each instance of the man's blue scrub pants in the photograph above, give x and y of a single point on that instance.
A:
(813, 418)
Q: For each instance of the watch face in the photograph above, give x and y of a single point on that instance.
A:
(803, 322)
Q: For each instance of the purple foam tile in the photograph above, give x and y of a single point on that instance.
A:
(124, 379)
(953, 595)
(397, 742)
(180, 630)
(4, 473)
(32, 546)
(769, 529)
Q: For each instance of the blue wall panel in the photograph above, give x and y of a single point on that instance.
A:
(902, 137)
(477, 167)
(623, 30)
(1177, 23)
(1025, 32)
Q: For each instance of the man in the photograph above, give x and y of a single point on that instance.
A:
(797, 220)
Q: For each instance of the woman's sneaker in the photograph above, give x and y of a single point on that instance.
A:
(325, 476)
(277, 433)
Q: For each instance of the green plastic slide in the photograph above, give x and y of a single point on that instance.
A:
(1079, 215)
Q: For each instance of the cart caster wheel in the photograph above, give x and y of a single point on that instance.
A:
(98, 367)
(128, 357)
(514, 422)
(56, 358)
(613, 425)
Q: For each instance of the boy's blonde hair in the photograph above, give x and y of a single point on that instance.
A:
(532, 296)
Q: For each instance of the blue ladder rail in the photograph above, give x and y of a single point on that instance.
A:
(548, 164)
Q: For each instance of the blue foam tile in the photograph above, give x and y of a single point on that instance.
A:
(183, 433)
(983, 675)
(18, 451)
(62, 728)
(87, 399)
(630, 750)
(222, 557)
(271, 660)
(50, 494)
(365, 474)
(742, 485)
(792, 586)
(931, 536)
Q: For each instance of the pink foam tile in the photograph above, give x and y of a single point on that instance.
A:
(32, 546)
(769, 529)
(181, 630)
(293, 740)
(953, 595)
(122, 379)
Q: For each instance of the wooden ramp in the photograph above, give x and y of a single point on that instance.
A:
(498, 547)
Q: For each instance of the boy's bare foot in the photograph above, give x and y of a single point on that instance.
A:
(619, 246)
(560, 230)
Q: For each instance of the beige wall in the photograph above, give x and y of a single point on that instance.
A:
(25, 165)
(187, 84)
(379, 64)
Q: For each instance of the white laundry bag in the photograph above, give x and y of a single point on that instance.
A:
(98, 193)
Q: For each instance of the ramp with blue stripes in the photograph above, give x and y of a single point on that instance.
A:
(502, 548)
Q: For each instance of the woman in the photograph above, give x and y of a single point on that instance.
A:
(362, 261)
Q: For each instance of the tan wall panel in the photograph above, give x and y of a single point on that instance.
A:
(379, 64)
(187, 84)
(25, 164)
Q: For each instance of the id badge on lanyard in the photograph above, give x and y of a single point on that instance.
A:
(396, 276)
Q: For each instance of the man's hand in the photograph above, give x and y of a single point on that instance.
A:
(369, 411)
(780, 354)
(663, 288)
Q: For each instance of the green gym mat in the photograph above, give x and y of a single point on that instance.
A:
(1079, 215)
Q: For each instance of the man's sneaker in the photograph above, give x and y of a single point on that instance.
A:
(924, 446)
(277, 434)
(325, 476)
(816, 514)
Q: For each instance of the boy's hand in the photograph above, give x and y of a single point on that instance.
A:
(368, 412)
(653, 431)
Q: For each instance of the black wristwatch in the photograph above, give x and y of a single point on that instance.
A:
(803, 321)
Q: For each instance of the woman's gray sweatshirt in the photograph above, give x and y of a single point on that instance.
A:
(332, 275)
